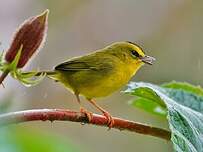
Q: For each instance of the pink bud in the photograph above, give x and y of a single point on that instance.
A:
(31, 35)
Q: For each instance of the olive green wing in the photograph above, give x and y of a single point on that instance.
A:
(75, 66)
(82, 73)
(86, 63)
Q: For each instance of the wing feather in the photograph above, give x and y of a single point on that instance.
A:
(86, 63)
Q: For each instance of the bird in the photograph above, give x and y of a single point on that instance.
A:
(100, 73)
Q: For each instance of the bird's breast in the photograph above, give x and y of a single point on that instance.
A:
(109, 83)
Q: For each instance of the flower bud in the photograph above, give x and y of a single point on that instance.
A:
(31, 35)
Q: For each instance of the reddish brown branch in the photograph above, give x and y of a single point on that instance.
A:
(67, 115)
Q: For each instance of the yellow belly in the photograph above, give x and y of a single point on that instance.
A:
(100, 86)
(104, 87)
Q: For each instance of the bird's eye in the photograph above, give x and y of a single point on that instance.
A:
(134, 53)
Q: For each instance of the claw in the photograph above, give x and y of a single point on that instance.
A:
(87, 113)
(110, 121)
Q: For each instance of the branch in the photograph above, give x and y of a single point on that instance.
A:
(67, 115)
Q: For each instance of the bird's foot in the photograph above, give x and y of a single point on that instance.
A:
(87, 113)
(110, 121)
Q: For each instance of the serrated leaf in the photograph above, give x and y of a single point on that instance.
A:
(185, 121)
(186, 98)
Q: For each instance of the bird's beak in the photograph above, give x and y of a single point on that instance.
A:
(147, 59)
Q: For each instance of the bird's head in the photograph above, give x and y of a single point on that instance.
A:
(130, 53)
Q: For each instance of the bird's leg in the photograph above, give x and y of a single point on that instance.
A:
(83, 110)
(110, 120)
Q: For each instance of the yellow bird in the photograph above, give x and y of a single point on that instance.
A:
(101, 72)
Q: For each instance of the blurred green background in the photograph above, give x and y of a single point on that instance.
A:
(169, 30)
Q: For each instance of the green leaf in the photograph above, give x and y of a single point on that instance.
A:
(185, 98)
(184, 114)
(151, 107)
(147, 93)
(184, 86)
(148, 101)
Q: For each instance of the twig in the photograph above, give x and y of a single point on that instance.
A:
(67, 115)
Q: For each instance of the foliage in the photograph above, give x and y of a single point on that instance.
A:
(184, 104)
